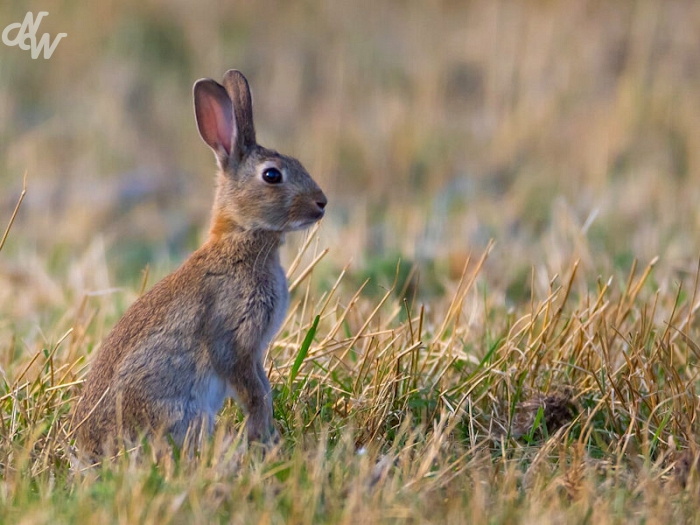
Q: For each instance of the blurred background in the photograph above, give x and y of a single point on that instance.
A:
(562, 130)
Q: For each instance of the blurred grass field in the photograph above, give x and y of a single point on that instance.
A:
(517, 180)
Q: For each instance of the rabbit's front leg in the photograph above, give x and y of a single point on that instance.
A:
(252, 389)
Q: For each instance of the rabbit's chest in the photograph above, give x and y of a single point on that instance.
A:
(277, 308)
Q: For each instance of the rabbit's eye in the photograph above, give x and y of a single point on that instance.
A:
(272, 176)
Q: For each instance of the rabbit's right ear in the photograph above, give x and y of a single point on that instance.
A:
(214, 113)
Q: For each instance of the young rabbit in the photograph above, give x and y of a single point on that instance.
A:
(200, 335)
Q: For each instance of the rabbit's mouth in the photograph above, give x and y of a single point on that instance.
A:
(302, 224)
(305, 222)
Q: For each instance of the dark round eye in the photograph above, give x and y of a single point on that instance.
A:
(272, 176)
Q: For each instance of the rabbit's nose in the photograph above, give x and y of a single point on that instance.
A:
(321, 201)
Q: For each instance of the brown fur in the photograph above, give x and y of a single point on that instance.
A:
(199, 335)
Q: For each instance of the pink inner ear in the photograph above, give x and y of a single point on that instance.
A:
(215, 119)
(224, 126)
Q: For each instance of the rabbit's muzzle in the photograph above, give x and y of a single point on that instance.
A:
(307, 210)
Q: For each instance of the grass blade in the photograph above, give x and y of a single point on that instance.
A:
(303, 351)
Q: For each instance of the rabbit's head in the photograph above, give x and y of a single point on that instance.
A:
(258, 188)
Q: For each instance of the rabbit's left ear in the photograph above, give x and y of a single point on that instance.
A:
(238, 91)
(214, 113)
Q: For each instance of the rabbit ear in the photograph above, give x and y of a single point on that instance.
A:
(237, 88)
(214, 113)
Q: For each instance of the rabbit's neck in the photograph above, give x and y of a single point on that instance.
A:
(222, 225)
(225, 227)
(227, 254)
(247, 243)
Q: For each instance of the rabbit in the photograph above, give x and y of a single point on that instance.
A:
(199, 335)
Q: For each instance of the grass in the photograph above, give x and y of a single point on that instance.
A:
(578, 408)
(495, 323)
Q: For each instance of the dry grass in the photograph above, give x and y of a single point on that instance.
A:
(546, 377)
(572, 409)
